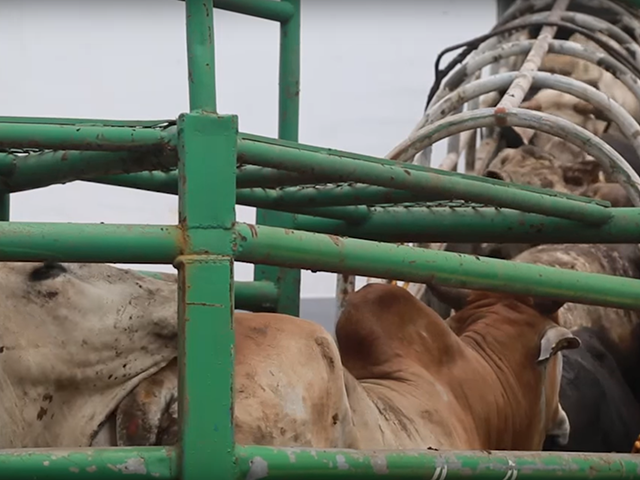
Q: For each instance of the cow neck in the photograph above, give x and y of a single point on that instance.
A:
(498, 380)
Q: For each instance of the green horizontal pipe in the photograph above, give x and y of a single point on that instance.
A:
(248, 138)
(82, 137)
(300, 197)
(156, 463)
(88, 121)
(260, 296)
(269, 10)
(294, 463)
(252, 296)
(35, 170)
(249, 176)
(462, 187)
(329, 253)
(438, 224)
(86, 242)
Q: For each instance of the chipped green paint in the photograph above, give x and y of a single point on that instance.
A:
(267, 463)
(99, 464)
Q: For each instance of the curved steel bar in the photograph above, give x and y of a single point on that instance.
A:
(562, 47)
(516, 9)
(616, 113)
(544, 122)
(589, 22)
(580, 19)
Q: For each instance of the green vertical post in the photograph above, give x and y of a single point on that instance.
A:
(207, 145)
(5, 207)
(287, 279)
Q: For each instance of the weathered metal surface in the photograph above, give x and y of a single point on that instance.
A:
(206, 189)
(278, 11)
(292, 463)
(201, 61)
(287, 280)
(83, 137)
(452, 185)
(22, 172)
(483, 224)
(315, 251)
(99, 464)
(88, 242)
(252, 296)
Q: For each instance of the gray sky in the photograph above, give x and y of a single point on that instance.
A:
(367, 66)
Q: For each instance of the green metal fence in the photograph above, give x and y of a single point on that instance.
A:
(218, 167)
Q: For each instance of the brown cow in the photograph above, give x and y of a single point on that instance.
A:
(408, 381)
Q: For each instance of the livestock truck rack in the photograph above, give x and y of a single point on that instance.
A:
(319, 209)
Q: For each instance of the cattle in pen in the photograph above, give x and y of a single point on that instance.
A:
(76, 340)
(399, 377)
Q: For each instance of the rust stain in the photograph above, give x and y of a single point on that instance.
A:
(500, 116)
(254, 230)
(336, 240)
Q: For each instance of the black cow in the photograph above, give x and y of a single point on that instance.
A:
(603, 413)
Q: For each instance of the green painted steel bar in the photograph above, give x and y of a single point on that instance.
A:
(441, 224)
(88, 242)
(279, 11)
(399, 177)
(317, 464)
(206, 290)
(201, 60)
(161, 182)
(158, 463)
(36, 170)
(84, 137)
(251, 296)
(89, 121)
(341, 155)
(329, 253)
(287, 280)
(5, 206)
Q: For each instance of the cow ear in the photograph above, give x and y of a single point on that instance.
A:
(455, 298)
(547, 306)
(554, 340)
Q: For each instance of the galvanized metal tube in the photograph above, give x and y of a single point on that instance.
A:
(329, 253)
(544, 122)
(561, 83)
(562, 47)
(520, 86)
(158, 463)
(401, 177)
(278, 11)
(315, 464)
(446, 224)
(201, 60)
(83, 137)
(86, 242)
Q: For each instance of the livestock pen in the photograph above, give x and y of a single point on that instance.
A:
(319, 209)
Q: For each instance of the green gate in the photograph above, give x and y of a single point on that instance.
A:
(341, 227)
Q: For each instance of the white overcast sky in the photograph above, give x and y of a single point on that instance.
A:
(367, 66)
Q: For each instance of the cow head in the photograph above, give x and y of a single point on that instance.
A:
(75, 339)
(528, 325)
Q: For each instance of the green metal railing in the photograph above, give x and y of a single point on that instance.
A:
(218, 167)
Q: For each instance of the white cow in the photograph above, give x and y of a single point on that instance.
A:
(75, 340)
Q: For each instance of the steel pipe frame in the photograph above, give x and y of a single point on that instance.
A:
(331, 464)
(416, 180)
(329, 253)
(488, 225)
(544, 122)
(84, 137)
